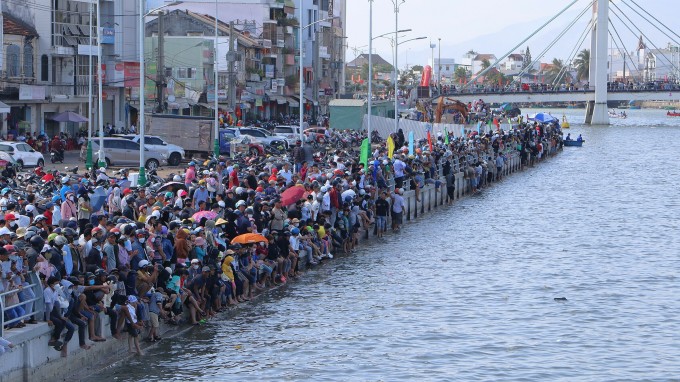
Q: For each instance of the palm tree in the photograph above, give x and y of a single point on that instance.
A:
(556, 71)
(460, 75)
(582, 64)
(485, 63)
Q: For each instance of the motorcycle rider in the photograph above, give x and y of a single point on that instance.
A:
(58, 145)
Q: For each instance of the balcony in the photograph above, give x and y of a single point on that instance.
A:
(60, 90)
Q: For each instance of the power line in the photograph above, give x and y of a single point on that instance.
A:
(655, 19)
(640, 31)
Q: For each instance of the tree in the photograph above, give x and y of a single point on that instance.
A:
(460, 75)
(556, 72)
(485, 63)
(527, 58)
(582, 64)
(417, 68)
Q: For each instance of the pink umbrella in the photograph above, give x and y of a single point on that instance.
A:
(210, 215)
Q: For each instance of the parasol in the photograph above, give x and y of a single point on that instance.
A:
(292, 195)
(249, 238)
(210, 215)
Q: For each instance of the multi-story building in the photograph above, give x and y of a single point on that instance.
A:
(59, 41)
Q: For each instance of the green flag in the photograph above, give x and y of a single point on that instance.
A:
(446, 136)
(365, 152)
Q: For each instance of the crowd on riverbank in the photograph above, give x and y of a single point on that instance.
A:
(190, 249)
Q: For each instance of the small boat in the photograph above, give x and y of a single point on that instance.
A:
(565, 123)
(574, 143)
(673, 113)
(614, 114)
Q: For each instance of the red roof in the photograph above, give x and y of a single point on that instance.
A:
(14, 26)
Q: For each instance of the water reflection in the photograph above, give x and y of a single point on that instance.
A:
(467, 293)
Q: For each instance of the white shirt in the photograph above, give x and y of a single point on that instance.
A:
(287, 175)
(399, 167)
(294, 243)
(56, 214)
(326, 202)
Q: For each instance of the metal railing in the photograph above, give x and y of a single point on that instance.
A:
(33, 283)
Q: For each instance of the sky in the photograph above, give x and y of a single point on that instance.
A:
(495, 27)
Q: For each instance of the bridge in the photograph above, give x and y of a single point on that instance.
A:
(598, 93)
(565, 96)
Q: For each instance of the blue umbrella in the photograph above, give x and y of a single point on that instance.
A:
(544, 117)
(98, 198)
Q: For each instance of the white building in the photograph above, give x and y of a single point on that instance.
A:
(443, 69)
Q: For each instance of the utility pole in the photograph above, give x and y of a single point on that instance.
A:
(317, 69)
(231, 58)
(439, 67)
(160, 70)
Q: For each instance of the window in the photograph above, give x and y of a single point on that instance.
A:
(44, 68)
(112, 144)
(186, 72)
(129, 145)
(7, 149)
(13, 52)
(24, 147)
(28, 60)
(153, 141)
(168, 72)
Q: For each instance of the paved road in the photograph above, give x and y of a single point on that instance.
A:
(72, 159)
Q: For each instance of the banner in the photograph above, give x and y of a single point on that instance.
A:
(365, 152)
(390, 147)
(108, 35)
(269, 71)
(446, 136)
(411, 143)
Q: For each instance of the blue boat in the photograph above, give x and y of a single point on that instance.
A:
(574, 143)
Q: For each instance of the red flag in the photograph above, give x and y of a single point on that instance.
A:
(429, 140)
(495, 122)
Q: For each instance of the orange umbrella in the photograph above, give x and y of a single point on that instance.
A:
(249, 238)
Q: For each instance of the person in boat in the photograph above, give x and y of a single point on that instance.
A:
(568, 138)
(580, 138)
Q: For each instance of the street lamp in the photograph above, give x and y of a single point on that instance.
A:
(142, 79)
(88, 156)
(439, 66)
(370, 65)
(397, 4)
(395, 45)
(302, 80)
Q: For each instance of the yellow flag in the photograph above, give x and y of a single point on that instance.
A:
(390, 146)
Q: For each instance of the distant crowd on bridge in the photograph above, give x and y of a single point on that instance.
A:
(615, 86)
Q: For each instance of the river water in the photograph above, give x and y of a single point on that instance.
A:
(467, 292)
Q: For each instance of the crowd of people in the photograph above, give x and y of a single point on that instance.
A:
(216, 237)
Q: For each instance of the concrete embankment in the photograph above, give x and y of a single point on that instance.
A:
(33, 360)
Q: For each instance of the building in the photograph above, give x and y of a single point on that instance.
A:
(444, 69)
(57, 43)
(660, 64)
(512, 64)
(356, 71)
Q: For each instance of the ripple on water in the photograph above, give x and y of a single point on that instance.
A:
(467, 293)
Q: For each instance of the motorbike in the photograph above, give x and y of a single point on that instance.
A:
(56, 156)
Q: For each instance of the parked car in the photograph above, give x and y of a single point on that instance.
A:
(290, 133)
(23, 154)
(243, 144)
(174, 153)
(124, 152)
(262, 135)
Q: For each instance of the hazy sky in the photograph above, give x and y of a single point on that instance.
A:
(487, 26)
(494, 26)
